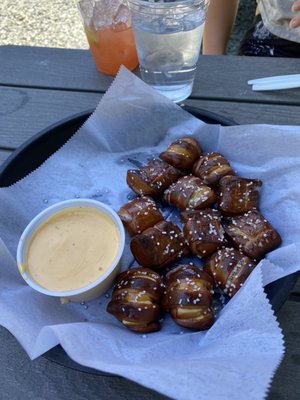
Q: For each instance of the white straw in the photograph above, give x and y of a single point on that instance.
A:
(279, 78)
(276, 85)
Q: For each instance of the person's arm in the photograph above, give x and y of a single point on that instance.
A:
(295, 22)
(220, 19)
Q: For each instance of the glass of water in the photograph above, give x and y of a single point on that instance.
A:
(168, 35)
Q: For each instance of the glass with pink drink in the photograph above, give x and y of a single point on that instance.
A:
(107, 25)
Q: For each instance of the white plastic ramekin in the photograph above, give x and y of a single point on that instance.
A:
(94, 289)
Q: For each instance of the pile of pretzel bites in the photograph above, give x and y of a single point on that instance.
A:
(221, 223)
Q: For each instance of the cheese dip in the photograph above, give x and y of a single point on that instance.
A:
(72, 249)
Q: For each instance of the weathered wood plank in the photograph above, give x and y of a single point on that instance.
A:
(75, 70)
(36, 109)
(24, 112)
(50, 67)
(285, 385)
(3, 155)
(249, 113)
(220, 77)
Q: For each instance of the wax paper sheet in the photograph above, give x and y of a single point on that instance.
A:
(238, 356)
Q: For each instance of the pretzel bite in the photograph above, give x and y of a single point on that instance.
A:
(153, 178)
(211, 168)
(252, 234)
(182, 153)
(189, 193)
(203, 231)
(136, 300)
(229, 268)
(238, 195)
(139, 214)
(158, 246)
(188, 297)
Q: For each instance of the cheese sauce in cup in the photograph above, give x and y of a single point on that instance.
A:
(72, 249)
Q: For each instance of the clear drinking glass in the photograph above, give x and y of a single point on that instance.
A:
(168, 35)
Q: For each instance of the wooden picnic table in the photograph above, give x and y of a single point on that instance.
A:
(41, 86)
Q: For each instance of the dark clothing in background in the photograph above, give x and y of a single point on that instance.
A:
(259, 41)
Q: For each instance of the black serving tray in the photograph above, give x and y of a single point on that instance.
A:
(39, 147)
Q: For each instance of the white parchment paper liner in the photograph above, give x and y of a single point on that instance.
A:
(238, 356)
